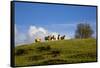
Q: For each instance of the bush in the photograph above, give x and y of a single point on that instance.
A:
(55, 53)
(20, 52)
(35, 58)
(44, 48)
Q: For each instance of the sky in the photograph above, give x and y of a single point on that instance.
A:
(34, 20)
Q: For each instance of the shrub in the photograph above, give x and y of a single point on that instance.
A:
(44, 48)
(20, 52)
(55, 53)
(35, 58)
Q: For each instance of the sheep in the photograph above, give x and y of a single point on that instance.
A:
(53, 38)
(47, 38)
(37, 40)
(58, 38)
(62, 37)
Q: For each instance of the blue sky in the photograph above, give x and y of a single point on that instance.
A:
(54, 18)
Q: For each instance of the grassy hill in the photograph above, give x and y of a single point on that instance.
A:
(56, 52)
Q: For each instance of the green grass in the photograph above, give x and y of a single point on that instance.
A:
(56, 52)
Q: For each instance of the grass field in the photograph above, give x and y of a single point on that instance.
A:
(56, 52)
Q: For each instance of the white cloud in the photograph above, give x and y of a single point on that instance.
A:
(42, 30)
(33, 30)
(31, 34)
(36, 32)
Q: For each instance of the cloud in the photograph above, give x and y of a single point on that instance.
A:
(40, 32)
(33, 30)
(31, 34)
(36, 32)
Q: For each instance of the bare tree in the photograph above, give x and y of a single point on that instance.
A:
(83, 30)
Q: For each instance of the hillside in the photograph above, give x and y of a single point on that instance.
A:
(56, 52)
